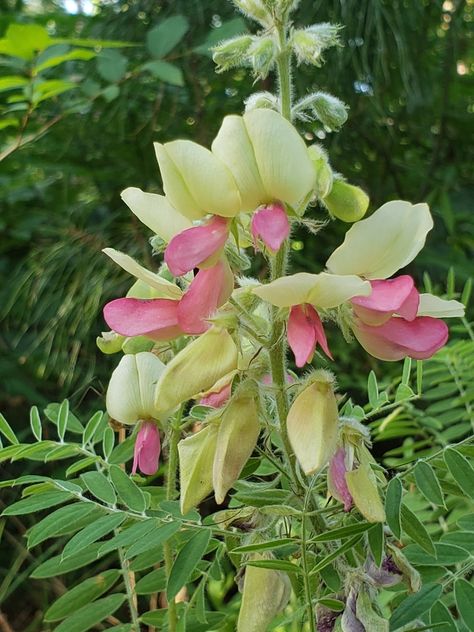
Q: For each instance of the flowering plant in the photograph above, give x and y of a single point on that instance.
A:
(314, 534)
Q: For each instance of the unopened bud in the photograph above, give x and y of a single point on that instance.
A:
(346, 202)
(254, 9)
(265, 593)
(261, 100)
(330, 110)
(231, 52)
(196, 454)
(262, 55)
(362, 486)
(368, 617)
(196, 368)
(312, 423)
(238, 434)
(410, 575)
(309, 43)
(130, 395)
(110, 342)
(387, 574)
(324, 175)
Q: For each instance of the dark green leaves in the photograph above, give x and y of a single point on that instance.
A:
(100, 487)
(393, 501)
(91, 614)
(461, 470)
(186, 561)
(153, 539)
(6, 430)
(129, 493)
(36, 502)
(428, 484)
(416, 530)
(164, 37)
(92, 533)
(464, 595)
(415, 605)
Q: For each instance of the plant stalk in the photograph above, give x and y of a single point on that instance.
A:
(170, 493)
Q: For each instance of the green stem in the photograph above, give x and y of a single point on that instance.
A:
(170, 494)
(129, 589)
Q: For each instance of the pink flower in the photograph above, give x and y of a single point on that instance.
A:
(305, 331)
(337, 484)
(393, 296)
(194, 246)
(271, 225)
(155, 318)
(210, 289)
(399, 338)
(147, 450)
(165, 319)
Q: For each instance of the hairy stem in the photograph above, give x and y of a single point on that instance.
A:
(170, 493)
(129, 581)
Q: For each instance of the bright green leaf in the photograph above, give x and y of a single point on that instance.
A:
(91, 614)
(186, 561)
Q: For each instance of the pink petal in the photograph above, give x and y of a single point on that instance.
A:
(210, 289)
(147, 450)
(305, 331)
(190, 248)
(271, 225)
(219, 398)
(398, 338)
(337, 479)
(388, 297)
(156, 318)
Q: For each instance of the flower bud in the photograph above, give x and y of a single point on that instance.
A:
(410, 576)
(137, 344)
(309, 43)
(265, 593)
(196, 454)
(238, 434)
(147, 449)
(196, 368)
(262, 55)
(130, 395)
(324, 176)
(231, 52)
(337, 485)
(254, 9)
(387, 574)
(110, 342)
(261, 100)
(362, 486)
(330, 110)
(312, 423)
(271, 225)
(346, 202)
(366, 614)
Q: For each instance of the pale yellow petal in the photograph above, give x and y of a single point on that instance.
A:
(233, 147)
(388, 240)
(207, 179)
(165, 289)
(196, 454)
(321, 290)
(436, 307)
(174, 186)
(283, 162)
(156, 212)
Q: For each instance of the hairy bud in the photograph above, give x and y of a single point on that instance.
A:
(231, 52)
(330, 110)
(262, 55)
(324, 175)
(309, 44)
(262, 100)
(254, 9)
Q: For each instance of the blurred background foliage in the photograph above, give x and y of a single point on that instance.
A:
(85, 89)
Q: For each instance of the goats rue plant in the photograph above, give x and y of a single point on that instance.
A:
(310, 529)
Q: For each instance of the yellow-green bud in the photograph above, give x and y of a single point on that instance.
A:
(266, 592)
(313, 422)
(324, 175)
(137, 344)
(196, 368)
(238, 434)
(362, 485)
(196, 454)
(231, 52)
(110, 342)
(309, 43)
(130, 395)
(262, 55)
(330, 110)
(254, 9)
(346, 202)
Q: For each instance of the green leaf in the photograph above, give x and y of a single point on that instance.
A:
(161, 39)
(467, 522)
(464, 596)
(332, 604)
(393, 501)
(62, 521)
(73, 55)
(153, 582)
(403, 393)
(35, 423)
(163, 70)
(128, 492)
(100, 487)
(376, 542)
(7, 431)
(373, 390)
(82, 594)
(428, 484)
(464, 539)
(36, 502)
(92, 533)
(108, 441)
(446, 555)
(416, 530)
(277, 565)
(153, 539)
(57, 566)
(406, 371)
(63, 415)
(269, 545)
(111, 65)
(92, 426)
(440, 614)
(335, 554)
(12, 82)
(24, 40)
(415, 605)
(128, 536)
(91, 614)
(186, 561)
(52, 412)
(342, 532)
(461, 470)
(82, 464)
(51, 88)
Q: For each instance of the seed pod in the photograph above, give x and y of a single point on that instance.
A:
(312, 424)
(196, 368)
(236, 440)
(196, 454)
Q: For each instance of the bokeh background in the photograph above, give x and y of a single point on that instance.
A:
(68, 147)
